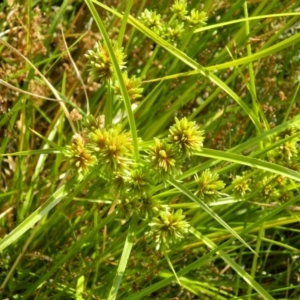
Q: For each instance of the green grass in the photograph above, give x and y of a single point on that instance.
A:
(97, 199)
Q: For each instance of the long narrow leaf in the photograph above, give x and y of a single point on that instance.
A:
(34, 218)
(249, 279)
(190, 62)
(250, 161)
(246, 20)
(124, 259)
(118, 73)
(206, 208)
(61, 193)
(205, 259)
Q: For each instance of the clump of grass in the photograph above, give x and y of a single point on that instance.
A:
(125, 174)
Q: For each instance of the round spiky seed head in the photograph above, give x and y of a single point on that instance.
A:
(81, 157)
(114, 148)
(168, 228)
(197, 18)
(100, 61)
(144, 206)
(179, 8)
(241, 186)
(140, 180)
(152, 20)
(164, 160)
(186, 137)
(132, 85)
(209, 186)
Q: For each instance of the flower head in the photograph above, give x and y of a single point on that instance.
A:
(145, 206)
(119, 182)
(99, 137)
(101, 63)
(139, 180)
(197, 18)
(186, 137)
(179, 8)
(241, 186)
(269, 191)
(81, 157)
(163, 160)
(174, 31)
(209, 186)
(168, 228)
(91, 123)
(149, 207)
(114, 148)
(132, 85)
(152, 20)
(288, 150)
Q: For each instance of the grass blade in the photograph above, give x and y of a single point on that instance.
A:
(249, 279)
(207, 209)
(251, 162)
(118, 72)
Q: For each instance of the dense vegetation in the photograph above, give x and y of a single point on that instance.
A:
(149, 150)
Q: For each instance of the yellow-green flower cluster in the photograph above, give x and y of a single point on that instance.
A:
(164, 161)
(113, 148)
(179, 8)
(197, 18)
(108, 152)
(80, 156)
(100, 62)
(287, 153)
(152, 20)
(186, 136)
(168, 228)
(241, 186)
(173, 29)
(167, 156)
(133, 86)
(146, 207)
(208, 186)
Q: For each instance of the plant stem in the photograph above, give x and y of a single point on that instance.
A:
(124, 259)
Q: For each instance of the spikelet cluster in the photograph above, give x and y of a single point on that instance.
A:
(186, 137)
(81, 157)
(168, 228)
(182, 20)
(101, 66)
(108, 152)
(208, 186)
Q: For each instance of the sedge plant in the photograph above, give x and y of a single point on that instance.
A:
(149, 150)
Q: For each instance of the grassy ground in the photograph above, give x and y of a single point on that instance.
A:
(176, 180)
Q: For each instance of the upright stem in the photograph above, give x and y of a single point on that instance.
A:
(124, 259)
(119, 76)
(108, 105)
